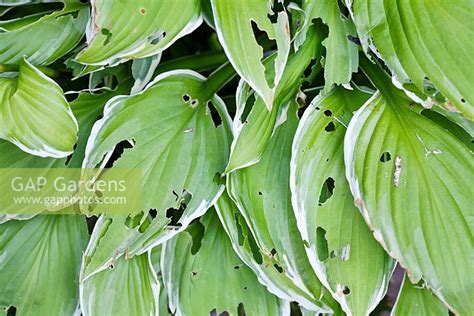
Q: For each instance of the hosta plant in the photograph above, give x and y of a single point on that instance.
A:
(236, 157)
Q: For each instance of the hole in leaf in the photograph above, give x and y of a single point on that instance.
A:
(133, 221)
(216, 118)
(186, 98)
(11, 311)
(385, 157)
(327, 190)
(107, 34)
(328, 112)
(321, 244)
(266, 44)
(354, 39)
(278, 268)
(196, 230)
(260, 193)
(463, 101)
(236, 267)
(330, 127)
(346, 290)
(241, 310)
(118, 152)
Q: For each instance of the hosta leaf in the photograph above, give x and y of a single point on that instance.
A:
(87, 108)
(39, 265)
(203, 275)
(262, 194)
(129, 287)
(244, 244)
(412, 183)
(415, 300)
(43, 38)
(142, 71)
(241, 46)
(148, 28)
(178, 148)
(341, 52)
(341, 248)
(30, 97)
(423, 42)
(253, 130)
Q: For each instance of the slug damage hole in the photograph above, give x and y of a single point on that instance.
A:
(327, 190)
(321, 244)
(385, 157)
(216, 118)
(175, 214)
(196, 230)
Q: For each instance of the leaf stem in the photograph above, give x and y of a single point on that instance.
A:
(219, 78)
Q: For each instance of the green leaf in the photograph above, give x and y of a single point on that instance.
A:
(412, 183)
(342, 54)
(341, 248)
(87, 108)
(34, 114)
(245, 246)
(253, 130)
(43, 38)
(241, 46)
(416, 300)
(128, 287)
(147, 28)
(142, 71)
(180, 151)
(262, 194)
(423, 43)
(199, 265)
(40, 264)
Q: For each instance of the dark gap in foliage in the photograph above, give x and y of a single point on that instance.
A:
(385, 157)
(241, 310)
(241, 238)
(343, 9)
(153, 213)
(266, 44)
(214, 313)
(276, 8)
(133, 221)
(236, 267)
(196, 231)
(40, 9)
(186, 98)
(216, 118)
(175, 214)
(328, 113)
(118, 151)
(327, 190)
(321, 244)
(218, 178)
(249, 104)
(330, 127)
(463, 101)
(91, 223)
(273, 252)
(260, 193)
(11, 311)
(68, 159)
(354, 39)
(295, 309)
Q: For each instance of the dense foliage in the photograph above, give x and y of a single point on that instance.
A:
(291, 155)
